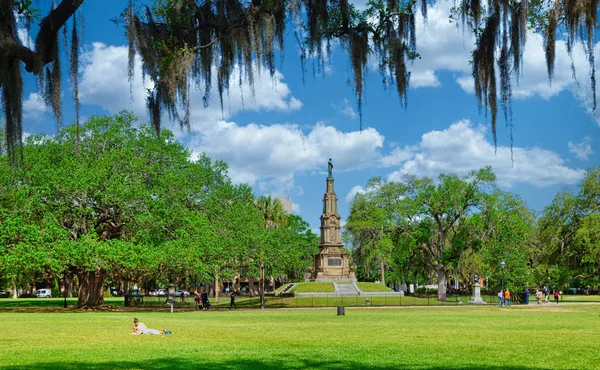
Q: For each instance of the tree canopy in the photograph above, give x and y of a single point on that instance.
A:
(183, 43)
(124, 206)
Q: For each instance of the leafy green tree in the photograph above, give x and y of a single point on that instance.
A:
(368, 231)
(568, 235)
(509, 236)
(127, 203)
(447, 203)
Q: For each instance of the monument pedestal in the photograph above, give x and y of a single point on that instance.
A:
(476, 298)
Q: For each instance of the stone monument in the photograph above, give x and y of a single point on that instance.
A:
(331, 262)
(476, 298)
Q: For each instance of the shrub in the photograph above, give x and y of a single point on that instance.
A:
(28, 295)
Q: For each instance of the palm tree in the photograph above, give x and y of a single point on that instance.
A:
(271, 210)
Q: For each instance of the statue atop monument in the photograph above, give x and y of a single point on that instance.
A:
(330, 167)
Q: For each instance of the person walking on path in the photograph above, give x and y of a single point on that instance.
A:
(500, 299)
(538, 296)
(556, 296)
(507, 298)
(548, 296)
(527, 296)
(232, 303)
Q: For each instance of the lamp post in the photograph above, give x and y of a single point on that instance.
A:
(503, 265)
(262, 285)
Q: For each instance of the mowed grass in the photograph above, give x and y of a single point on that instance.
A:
(313, 287)
(373, 287)
(464, 337)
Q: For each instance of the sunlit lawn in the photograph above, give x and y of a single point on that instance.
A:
(313, 287)
(463, 337)
(291, 302)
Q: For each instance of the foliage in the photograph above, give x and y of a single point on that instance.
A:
(569, 238)
(122, 204)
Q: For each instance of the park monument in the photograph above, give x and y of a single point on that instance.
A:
(331, 263)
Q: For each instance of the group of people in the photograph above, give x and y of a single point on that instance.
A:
(539, 296)
(504, 297)
(202, 298)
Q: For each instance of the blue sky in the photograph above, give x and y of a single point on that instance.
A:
(279, 140)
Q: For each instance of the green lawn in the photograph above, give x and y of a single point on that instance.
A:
(290, 302)
(314, 287)
(579, 298)
(373, 287)
(464, 337)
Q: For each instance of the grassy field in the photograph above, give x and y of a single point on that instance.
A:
(373, 287)
(525, 337)
(291, 302)
(314, 287)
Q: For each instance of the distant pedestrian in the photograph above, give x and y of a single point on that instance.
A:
(182, 295)
(507, 298)
(547, 295)
(197, 300)
(538, 296)
(204, 297)
(556, 296)
(232, 303)
(527, 296)
(500, 299)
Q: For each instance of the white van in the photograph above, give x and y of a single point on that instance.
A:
(44, 293)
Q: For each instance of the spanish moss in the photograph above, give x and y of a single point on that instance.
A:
(74, 73)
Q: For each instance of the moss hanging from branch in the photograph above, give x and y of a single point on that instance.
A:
(74, 73)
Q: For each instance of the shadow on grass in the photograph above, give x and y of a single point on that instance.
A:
(196, 363)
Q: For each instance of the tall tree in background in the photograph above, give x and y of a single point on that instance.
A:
(569, 234)
(185, 41)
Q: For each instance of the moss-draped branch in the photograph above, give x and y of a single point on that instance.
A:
(185, 44)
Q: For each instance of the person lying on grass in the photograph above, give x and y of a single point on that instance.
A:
(140, 328)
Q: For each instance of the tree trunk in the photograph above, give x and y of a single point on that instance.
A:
(15, 290)
(216, 288)
(441, 272)
(251, 286)
(68, 286)
(91, 288)
(382, 271)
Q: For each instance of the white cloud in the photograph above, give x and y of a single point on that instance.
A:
(296, 208)
(352, 193)
(345, 109)
(104, 82)
(396, 157)
(583, 149)
(442, 46)
(269, 156)
(462, 148)
(34, 107)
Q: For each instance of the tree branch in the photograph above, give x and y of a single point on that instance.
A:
(45, 40)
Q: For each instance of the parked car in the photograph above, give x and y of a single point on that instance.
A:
(44, 293)
(178, 293)
(158, 292)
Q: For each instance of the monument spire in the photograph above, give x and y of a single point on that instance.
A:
(331, 263)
